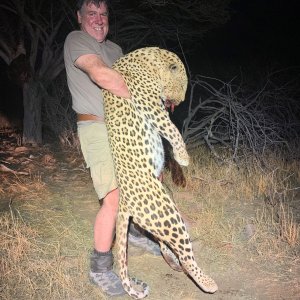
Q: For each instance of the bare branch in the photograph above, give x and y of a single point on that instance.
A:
(230, 115)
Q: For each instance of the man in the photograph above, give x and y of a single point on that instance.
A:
(88, 59)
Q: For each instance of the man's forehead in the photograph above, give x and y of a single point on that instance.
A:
(92, 6)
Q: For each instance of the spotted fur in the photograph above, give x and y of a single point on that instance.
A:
(135, 128)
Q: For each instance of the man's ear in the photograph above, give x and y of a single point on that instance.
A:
(78, 17)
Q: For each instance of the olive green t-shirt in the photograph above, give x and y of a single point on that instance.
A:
(86, 95)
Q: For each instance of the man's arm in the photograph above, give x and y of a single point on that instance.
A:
(102, 75)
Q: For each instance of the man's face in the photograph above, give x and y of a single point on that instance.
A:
(94, 20)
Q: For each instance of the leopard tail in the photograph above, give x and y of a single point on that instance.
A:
(121, 243)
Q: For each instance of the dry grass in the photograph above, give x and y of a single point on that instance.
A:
(236, 210)
(44, 246)
(44, 260)
(23, 187)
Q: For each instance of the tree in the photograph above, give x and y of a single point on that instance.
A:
(33, 32)
(163, 23)
(32, 45)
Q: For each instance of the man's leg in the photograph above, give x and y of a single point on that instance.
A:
(105, 223)
(102, 273)
(96, 152)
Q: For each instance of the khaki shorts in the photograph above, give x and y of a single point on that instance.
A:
(96, 152)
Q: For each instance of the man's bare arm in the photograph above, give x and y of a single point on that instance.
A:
(102, 75)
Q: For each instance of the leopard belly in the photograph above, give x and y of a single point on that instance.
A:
(156, 151)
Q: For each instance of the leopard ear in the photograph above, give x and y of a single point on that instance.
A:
(173, 67)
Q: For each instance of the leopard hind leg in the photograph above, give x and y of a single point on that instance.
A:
(168, 227)
(182, 247)
(135, 288)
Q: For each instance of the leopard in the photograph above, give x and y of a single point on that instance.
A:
(156, 79)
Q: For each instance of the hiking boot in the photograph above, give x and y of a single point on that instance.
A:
(102, 274)
(138, 238)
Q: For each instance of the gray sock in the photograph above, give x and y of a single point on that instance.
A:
(101, 262)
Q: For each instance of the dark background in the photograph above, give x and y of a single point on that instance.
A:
(261, 36)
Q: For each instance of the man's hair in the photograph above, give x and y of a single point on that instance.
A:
(97, 3)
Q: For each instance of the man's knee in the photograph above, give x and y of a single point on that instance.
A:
(111, 200)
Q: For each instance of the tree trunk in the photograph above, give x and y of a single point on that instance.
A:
(33, 93)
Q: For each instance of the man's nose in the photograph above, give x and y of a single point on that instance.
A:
(99, 18)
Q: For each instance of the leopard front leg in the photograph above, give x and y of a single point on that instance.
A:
(181, 155)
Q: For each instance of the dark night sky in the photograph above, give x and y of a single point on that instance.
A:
(261, 33)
